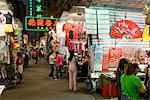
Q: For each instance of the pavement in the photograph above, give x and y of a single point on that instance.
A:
(37, 86)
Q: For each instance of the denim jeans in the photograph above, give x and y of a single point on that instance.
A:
(59, 72)
(51, 74)
(124, 97)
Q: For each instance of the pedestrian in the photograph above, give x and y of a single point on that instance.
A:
(52, 61)
(36, 55)
(19, 65)
(72, 72)
(84, 69)
(147, 81)
(59, 65)
(120, 71)
(131, 85)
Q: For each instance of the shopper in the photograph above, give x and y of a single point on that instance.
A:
(120, 71)
(136, 68)
(72, 72)
(36, 54)
(131, 85)
(147, 80)
(59, 65)
(84, 69)
(52, 61)
(19, 65)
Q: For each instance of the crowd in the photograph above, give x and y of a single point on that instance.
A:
(77, 64)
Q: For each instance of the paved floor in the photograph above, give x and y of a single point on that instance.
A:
(37, 86)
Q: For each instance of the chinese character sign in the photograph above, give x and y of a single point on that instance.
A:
(39, 24)
(38, 8)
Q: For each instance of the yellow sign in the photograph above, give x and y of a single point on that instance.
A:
(146, 35)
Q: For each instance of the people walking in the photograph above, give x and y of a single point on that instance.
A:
(19, 65)
(59, 65)
(52, 61)
(72, 72)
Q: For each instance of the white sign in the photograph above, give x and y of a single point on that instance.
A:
(2, 87)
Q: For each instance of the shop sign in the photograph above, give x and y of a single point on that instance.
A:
(39, 24)
(35, 8)
(30, 5)
(126, 28)
(39, 8)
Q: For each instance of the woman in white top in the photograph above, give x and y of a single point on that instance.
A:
(72, 72)
(52, 61)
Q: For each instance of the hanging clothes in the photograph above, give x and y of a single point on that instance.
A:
(2, 30)
(2, 18)
(67, 27)
(75, 31)
(8, 18)
(80, 48)
(8, 25)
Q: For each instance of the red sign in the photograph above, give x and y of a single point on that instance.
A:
(126, 28)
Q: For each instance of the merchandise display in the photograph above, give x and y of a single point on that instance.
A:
(95, 42)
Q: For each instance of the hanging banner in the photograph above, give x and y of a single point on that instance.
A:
(126, 28)
(90, 19)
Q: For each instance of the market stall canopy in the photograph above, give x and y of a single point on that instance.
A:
(76, 13)
(121, 4)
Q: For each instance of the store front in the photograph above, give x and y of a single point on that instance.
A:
(114, 34)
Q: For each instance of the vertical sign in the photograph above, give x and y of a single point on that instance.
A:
(39, 8)
(90, 19)
(103, 23)
(30, 5)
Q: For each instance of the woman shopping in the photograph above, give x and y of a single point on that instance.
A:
(131, 85)
(120, 71)
(72, 72)
(19, 65)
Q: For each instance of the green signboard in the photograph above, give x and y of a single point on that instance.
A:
(39, 24)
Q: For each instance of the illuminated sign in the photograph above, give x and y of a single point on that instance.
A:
(39, 24)
(30, 3)
(34, 8)
(38, 8)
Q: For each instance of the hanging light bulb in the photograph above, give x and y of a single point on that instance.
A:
(52, 16)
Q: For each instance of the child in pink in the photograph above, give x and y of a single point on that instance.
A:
(59, 65)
